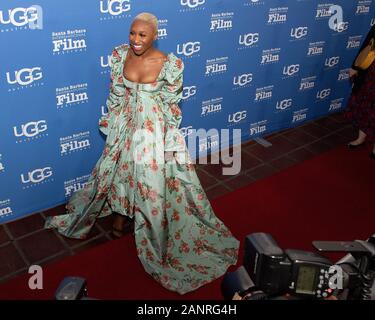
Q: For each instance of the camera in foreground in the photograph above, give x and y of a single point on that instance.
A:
(272, 273)
(72, 288)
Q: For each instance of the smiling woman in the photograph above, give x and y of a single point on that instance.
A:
(145, 172)
(143, 63)
(143, 32)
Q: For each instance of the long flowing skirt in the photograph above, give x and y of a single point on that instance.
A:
(180, 241)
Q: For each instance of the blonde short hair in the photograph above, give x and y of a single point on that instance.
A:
(148, 18)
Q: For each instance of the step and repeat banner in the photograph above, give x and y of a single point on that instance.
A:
(255, 65)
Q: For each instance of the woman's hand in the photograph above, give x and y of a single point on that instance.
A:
(168, 155)
(352, 73)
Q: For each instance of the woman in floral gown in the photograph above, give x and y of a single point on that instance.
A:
(180, 241)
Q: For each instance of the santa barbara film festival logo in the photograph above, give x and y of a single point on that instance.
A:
(270, 56)
(315, 48)
(21, 19)
(75, 184)
(69, 41)
(216, 66)
(162, 29)
(24, 78)
(300, 115)
(192, 5)
(354, 42)
(277, 15)
(363, 7)
(221, 21)
(211, 106)
(30, 131)
(5, 208)
(257, 128)
(36, 177)
(343, 75)
(336, 104)
(263, 93)
(323, 11)
(74, 143)
(71, 95)
(114, 9)
(307, 83)
(211, 142)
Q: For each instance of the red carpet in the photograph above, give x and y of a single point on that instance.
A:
(330, 197)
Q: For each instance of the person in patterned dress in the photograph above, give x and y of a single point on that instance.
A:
(145, 172)
(361, 105)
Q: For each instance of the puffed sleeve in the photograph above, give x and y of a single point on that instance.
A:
(116, 92)
(171, 94)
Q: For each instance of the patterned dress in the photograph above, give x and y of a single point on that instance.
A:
(180, 241)
(361, 105)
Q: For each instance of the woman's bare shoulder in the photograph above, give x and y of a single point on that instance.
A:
(159, 55)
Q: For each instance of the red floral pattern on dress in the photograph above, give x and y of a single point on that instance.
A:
(180, 241)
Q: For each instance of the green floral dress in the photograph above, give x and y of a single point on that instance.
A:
(180, 241)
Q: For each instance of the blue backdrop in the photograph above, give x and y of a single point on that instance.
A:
(255, 65)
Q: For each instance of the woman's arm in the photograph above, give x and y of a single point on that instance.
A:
(171, 95)
(116, 92)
